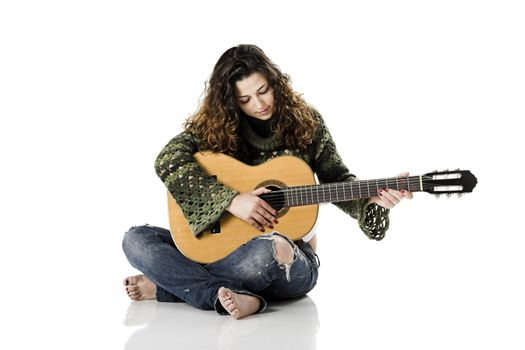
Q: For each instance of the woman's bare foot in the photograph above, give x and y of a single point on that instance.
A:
(140, 288)
(238, 305)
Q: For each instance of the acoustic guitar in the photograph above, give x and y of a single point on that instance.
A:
(295, 195)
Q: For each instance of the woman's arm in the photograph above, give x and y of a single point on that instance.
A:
(201, 197)
(372, 213)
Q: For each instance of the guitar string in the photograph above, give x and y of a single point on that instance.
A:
(297, 197)
(333, 193)
(330, 188)
(280, 201)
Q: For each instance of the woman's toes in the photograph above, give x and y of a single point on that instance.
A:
(231, 307)
(133, 288)
(131, 280)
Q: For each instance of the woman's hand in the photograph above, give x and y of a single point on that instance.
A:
(389, 198)
(254, 210)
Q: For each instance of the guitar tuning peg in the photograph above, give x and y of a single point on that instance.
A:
(459, 195)
(457, 169)
(437, 195)
(449, 195)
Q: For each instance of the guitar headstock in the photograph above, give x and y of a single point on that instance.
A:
(449, 182)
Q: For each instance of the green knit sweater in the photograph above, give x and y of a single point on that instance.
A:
(203, 199)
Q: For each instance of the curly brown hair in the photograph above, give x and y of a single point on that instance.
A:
(216, 121)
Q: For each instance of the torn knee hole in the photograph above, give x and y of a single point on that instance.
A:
(284, 252)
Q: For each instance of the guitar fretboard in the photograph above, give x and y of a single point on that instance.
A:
(346, 191)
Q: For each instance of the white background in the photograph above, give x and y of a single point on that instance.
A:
(90, 91)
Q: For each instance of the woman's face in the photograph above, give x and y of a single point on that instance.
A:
(255, 96)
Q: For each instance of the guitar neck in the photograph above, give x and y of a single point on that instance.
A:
(347, 191)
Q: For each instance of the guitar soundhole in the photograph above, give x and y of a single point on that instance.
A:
(275, 198)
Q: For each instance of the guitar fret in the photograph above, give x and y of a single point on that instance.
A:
(351, 190)
(305, 192)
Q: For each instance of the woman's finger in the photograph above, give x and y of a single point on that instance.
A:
(261, 190)
(255, 224)
(269, 218)
(261, 219)
(396, 195)
(268, 208)
(390, 196)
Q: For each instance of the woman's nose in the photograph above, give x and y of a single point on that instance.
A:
(257, 103)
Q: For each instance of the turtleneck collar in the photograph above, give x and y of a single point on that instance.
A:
(258, 133)
(261, 127)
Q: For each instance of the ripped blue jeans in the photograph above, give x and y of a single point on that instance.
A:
(251, 269)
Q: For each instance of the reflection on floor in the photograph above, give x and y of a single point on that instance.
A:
(285, 325)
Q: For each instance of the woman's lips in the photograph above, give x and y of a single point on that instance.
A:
(265, 111)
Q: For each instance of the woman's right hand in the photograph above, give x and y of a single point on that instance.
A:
(254, 210)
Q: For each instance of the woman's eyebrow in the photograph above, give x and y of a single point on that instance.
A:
(258, 90)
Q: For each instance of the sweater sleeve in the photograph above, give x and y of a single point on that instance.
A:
(329, 167)
(201, 197)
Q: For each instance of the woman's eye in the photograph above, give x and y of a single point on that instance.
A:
(244, 101)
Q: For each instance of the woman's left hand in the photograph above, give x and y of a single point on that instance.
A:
(389, 198)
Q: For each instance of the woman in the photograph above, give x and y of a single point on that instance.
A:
(251, 113)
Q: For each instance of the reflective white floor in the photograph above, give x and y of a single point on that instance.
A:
(177, 325)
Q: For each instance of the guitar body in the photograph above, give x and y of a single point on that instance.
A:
(294, 222)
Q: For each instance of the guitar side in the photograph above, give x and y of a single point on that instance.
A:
(294, 222)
